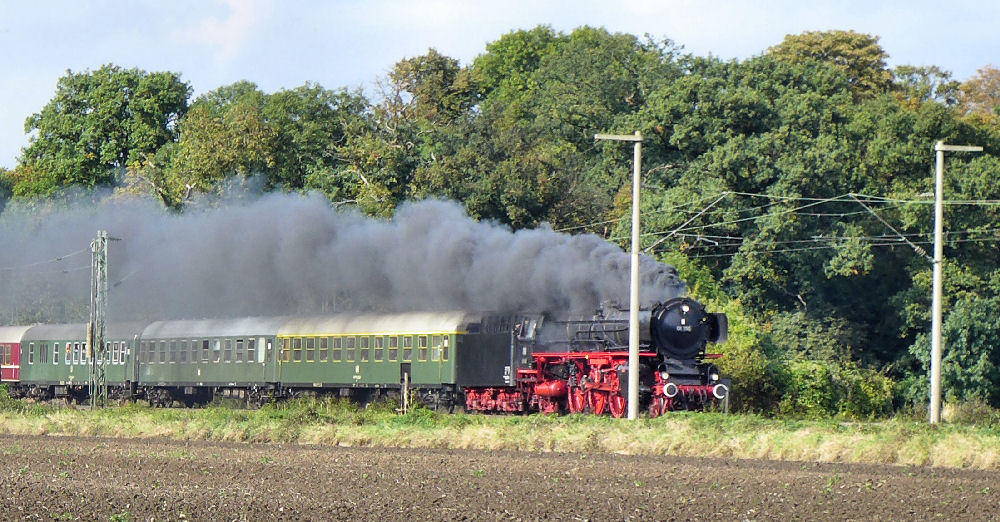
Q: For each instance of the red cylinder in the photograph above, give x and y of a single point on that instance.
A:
(551, 389)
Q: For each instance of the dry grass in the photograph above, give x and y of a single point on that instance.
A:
(898, 441)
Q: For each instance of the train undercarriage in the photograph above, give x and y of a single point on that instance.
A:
(597, 383)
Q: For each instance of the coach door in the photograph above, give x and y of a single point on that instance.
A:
(405, 377)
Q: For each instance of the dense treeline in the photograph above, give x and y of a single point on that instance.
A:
(791, 188)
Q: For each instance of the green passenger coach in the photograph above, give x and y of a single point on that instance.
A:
(362, 356)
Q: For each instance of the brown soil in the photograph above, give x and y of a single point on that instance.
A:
(100, 479)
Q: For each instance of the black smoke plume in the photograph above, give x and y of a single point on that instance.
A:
(290, 254)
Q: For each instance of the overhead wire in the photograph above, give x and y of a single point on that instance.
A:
(44, 262)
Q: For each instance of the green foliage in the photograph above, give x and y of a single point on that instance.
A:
(98, 124)
(808, 389)
(858, 55)
(970, 366)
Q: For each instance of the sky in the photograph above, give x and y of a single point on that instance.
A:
(340, 43)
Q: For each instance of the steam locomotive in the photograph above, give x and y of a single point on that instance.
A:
(482, 362)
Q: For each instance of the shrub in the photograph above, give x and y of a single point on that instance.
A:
(808, 389)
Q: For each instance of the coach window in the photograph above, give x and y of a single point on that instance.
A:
(55, 353)
(227, 354)
(393, 348)
(436, 348)
(173, 351)
(365, 348)
(239, 350)
(195, 347)
(216, 350)
(379, 348)
(338, 344)
(182, 346)
(310, 349)
(114, 353)
(444, 348)
(407, 348)
(205, 351)
(269, 352)
(349, 344)
(324, 349)
(163, 352)
(422, 347)
(251, 350)
(286, 350)
(76, 353)
(297, 349)
(31, 353)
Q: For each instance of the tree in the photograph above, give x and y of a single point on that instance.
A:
(979, 96)
(432, 88)
(970, 367)
(98, 124)
(923, 84)
(858, 55)
(6, 187)
(312, 126)
(224, 134)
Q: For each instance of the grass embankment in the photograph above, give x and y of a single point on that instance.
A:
(905, 442)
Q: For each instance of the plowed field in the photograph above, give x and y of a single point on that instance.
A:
(100, 479)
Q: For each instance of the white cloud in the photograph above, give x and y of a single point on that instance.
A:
(227, 35)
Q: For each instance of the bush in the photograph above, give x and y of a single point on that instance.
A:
(974, 412)
(808, 389)
(864, 392)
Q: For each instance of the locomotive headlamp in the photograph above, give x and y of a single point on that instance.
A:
(664, 375)
(713, 377)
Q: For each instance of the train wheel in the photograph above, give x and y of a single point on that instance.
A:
(616, 403)
(597, 401)
(577, 400)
